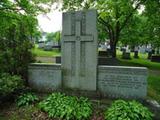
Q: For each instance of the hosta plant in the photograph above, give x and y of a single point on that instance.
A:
(127, 110)
(26, 99)
(58, 105)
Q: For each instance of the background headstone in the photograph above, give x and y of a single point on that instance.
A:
(79, 50)
(41, 44)
(136, 49)
(48, 48)
(142, 49)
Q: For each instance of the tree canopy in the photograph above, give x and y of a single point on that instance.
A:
(113, 15)
(18, 28)
(119, 18)
(152, 12)
(53, 36)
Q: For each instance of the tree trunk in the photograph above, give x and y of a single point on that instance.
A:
(114, 36)
(113, 49)
(157, 52)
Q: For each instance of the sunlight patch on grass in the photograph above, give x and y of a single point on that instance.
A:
(41, 53)
(141, 62)
(154, 87)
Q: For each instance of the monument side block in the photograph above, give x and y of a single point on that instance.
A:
(122, 82)
(44, 77)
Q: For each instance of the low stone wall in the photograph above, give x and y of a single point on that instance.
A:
(112, 81)
(45, 77)
(122, 82)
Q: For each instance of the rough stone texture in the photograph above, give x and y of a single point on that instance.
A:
(45, 77)
(79, 50)
(123, 82)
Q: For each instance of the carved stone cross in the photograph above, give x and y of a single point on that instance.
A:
(79, 50)
(78, 38)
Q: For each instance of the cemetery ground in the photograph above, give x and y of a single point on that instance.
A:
(10, 111)
(85, 85)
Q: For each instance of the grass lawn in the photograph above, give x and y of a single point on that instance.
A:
(41, 53)
(154, 87)
(141, 62)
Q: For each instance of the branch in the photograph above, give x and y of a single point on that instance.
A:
(10, 9)
(10, 17)
(105, 23)
(109, 27)
(117, 27)
(129, 16)
(106, 29)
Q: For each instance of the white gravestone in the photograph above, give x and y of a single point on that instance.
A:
(79, 50)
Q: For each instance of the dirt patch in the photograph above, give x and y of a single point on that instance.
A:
(45, 59)
(154, 72)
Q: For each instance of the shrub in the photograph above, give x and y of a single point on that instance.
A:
(16, 44)
(26, 99)
(9, 83)
(131, 110)
(59, 105)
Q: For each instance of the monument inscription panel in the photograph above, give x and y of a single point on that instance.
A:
(119, 81)
(79, 50)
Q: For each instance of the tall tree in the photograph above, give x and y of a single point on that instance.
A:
(114, 15)
(50, 36)
(135, 33)
(152, 11)
(53, 36)
(18, 27)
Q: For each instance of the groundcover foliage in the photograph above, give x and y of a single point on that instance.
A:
(26, 99)
(9, 83)
(127, 110)
(58, 105)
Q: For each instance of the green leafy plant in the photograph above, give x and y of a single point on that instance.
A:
(58, 105)
(26, 99)
(9, 83)
(131, 110)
